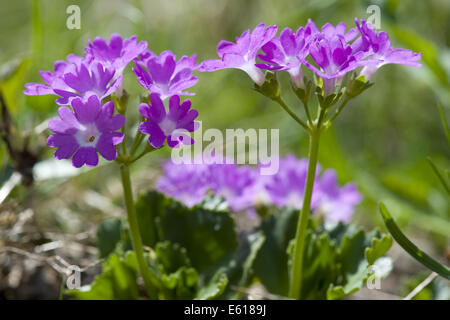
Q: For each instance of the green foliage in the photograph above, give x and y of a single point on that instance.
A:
(117, 281)
(196, 253)
(214, 288)
(108, 236)
(336, 259)
(271, 265)
(206, 235)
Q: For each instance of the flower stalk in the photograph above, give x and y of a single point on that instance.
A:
(299, 245)
(134, 232)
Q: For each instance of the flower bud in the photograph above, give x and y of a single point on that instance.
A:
(357, 85)
(270, 88)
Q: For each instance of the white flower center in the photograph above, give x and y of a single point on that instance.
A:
(167, 126)
(87, 135)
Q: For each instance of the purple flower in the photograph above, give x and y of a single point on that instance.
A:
(164, 75)
(76, 79)
(172, 125)
(381, 51)
(187, 183)
(117, 54)
(233, 183)
(89, 128)
(336, 203)
(288, 52)
(287, 186)
(242, 54)
(331, 51)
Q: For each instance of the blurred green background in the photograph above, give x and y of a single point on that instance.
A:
(381, 140)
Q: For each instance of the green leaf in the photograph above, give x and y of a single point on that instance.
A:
(108, 236)
(410, 247)
(336, 263)
(181, 284)
(379, 248)
(207, 235)
(444, 122)
(321, 268)
(271, 264)
(171, 256)
(439, 175)
(215, 287)
(117, 281)
(238, 266)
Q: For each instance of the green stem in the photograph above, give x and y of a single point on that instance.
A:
(339, 109)
(297, 265)
(292, 114)
(136, 143)
(308, 115)
(134, 232)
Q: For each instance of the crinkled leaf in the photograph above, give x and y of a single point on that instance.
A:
(181, 284)
(171, 256)
(207, 235)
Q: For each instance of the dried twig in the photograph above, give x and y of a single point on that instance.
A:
(421, 286)
(56, 262)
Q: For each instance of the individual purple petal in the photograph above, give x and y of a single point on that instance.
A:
(37, 89)
(66, 144)
(157, 136)
(86, 112)
(106, 147)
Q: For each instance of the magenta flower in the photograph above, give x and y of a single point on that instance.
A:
(235, 184)
(173, 125)
(381, 51)
(77, 79)
(336, 203)
(244, 189)
(164, 75)
(187, 183)
(332, 52)
(242, 54)
(288, 52)
(89, 128)
(286, 187)
(117, 54)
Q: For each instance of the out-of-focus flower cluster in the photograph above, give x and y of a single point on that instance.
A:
(244, 189)
(330, 52)
(83, 84)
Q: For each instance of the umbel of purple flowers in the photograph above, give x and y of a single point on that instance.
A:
(83, 84)
(331, 53)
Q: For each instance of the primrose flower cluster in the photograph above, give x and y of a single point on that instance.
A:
(245, 189)
(87, 86)
(330, 53)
